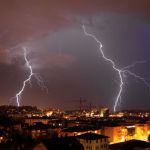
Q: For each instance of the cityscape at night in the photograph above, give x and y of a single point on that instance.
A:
(74, 75)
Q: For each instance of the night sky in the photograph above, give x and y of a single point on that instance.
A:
(70, 62)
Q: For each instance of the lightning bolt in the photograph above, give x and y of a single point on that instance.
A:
(28, 80)
(121, 72)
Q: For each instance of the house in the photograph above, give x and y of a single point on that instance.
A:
(41, 131)
(92, 141)
(78, 130)
(33, 120)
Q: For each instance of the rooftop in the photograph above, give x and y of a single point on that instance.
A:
(130, 144)
(91, 136)
(80, 129)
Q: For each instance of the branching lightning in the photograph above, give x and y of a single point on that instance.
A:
(28, 80)
(121, 72)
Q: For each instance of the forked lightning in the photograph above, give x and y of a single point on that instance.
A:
(121, 72)
(28, 80)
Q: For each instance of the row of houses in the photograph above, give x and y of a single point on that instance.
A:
(91, 137)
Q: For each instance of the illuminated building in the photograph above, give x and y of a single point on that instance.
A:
(119, 133)
(34, 120)
(104, 112)
(125, 133)
(49, 113)
(78, 130)
(114, 133)
(142, 131)
(92, 141)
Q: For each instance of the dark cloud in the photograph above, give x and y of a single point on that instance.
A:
(24, 20)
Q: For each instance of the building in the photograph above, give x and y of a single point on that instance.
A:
(127, 132)
(78, 130)
(41, 131)
(92, 141)
(33, 120)
(131, 145)
(142, 131)
(114, 133)
(104, 112)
